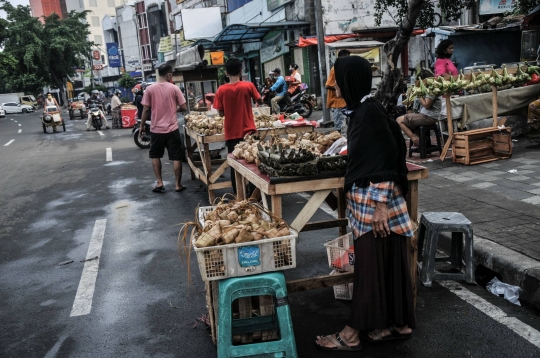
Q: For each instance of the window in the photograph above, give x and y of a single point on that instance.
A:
(93, 3)
(95, 21)
(98, 40)
(81, 4)
(111, 3)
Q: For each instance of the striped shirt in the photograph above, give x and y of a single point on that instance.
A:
(361, 204)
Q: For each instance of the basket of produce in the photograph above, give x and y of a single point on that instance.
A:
(240, 238)
(340, 252)
(204, 125)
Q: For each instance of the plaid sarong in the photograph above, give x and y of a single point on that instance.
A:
(361, 204)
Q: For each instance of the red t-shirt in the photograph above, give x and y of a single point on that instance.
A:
(235, 101)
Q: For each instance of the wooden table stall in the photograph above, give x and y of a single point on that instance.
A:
(320, 189)
(203, 169)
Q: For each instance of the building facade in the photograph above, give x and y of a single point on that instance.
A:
(42, 8)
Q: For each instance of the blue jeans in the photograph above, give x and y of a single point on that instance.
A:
(339, 118)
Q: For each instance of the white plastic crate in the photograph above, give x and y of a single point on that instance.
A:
(340, 252)
(343, 292)
(248, 258)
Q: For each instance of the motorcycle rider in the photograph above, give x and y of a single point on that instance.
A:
(139, 92)
(280, 87)
(91, 101)
(294, 86)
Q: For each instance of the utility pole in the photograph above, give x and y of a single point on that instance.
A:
(322, 58)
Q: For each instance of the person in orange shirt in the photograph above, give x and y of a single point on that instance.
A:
(332, 101)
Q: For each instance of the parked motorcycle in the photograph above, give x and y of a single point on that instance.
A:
(144, 142)
(97, 122)
(301, 102)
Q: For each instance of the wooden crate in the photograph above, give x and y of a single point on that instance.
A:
(481, 146)
(244, 307)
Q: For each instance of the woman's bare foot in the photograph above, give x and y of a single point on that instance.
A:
(347, 334)
(379, 334)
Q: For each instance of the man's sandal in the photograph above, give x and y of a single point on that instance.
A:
(393, 336)
(340, 344)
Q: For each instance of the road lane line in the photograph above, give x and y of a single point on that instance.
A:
(19, 124)
(20, 130)
(85, 293)
(522, 329)
(108, 155)
(8, 143)
(100, 133)
(12, 119)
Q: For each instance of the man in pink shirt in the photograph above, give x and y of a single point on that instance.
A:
(164, 100)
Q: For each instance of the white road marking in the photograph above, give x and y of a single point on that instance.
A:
(324, 207)
(19, 124)
(8, 143)
(15, 121)
(20, 130)
(108, 155)
(12, 119)
(100, 133)
(522, 329)
(85, 293)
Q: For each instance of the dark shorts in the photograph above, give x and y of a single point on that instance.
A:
(172, 141)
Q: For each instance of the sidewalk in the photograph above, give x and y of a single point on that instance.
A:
(503, 207)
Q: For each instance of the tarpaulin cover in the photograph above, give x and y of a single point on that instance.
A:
(201, 23)
(310, 41)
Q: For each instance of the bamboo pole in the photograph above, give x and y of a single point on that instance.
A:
(494, 105)
(449, 117)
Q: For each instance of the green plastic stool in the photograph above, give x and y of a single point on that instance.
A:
(272, 283)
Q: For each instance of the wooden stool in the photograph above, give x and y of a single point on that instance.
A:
(424, 133)
(431, 225)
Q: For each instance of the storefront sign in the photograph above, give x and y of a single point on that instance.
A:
(273, 47)
(113, 55)
(97, 65)
(274, 4)
(165, 44)
(496, 6)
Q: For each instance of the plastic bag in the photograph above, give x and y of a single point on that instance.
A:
(511, 293)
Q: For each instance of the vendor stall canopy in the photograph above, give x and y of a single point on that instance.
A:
(347, 44)
(254, 32)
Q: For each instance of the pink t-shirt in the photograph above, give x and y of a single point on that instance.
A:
(163, 98)
(445, 65)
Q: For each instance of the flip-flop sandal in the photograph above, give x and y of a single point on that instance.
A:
(182, 188)
(340, 344)
(159, 189)
(394, 336)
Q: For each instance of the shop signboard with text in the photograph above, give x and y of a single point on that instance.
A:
(496, 6)
(113, 55)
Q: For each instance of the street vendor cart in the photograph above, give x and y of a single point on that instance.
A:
(52, 118)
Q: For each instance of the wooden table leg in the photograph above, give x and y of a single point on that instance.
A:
(189, 149)
(208, 160)
(276, 205)
(309, 209)
(240, 195)
(341, 209)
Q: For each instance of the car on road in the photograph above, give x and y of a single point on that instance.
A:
(14, 107)
(2, 112)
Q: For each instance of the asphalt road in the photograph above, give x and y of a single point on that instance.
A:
(61, 196)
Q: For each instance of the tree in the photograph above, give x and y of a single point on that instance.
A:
(39, 54)
(410, 14)
(127, 81)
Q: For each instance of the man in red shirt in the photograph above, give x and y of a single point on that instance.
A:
(164, 99)
(233, 100)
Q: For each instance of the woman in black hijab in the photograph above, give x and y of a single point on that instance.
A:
(376, 186)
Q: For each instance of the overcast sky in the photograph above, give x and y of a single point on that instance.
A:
(15, 3)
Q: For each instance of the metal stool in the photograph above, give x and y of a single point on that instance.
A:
(431, 225)
(425, 146)
(271, 283)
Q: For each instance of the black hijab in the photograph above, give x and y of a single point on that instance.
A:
(375, 145)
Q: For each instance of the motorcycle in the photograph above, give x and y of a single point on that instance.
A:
(144, 142)
(95, 114)
(301, 102)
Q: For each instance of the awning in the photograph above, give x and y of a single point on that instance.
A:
(254, 32)
(312, 40)
(355, 44)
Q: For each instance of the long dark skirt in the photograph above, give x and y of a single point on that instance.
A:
(383, 293)
(116, 118)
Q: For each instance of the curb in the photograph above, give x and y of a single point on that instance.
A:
(515, 268)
